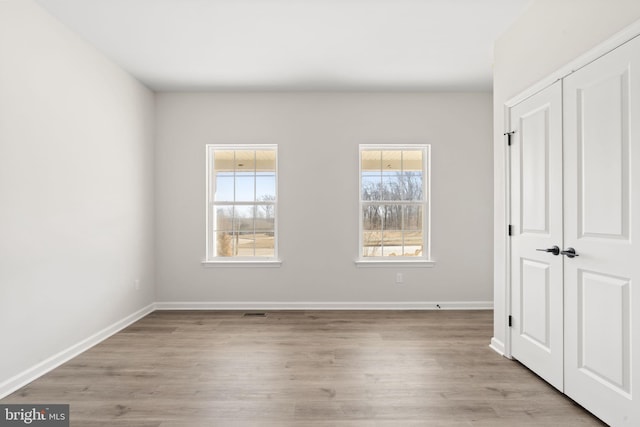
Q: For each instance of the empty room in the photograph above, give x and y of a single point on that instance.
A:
(319, 213)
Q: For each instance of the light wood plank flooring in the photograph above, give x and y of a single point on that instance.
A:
(303, 368)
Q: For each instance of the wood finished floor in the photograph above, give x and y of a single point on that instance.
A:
(303, 368)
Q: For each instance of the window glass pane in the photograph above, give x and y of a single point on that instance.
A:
(413, 217)
(245, 187)
(245, 244)
(265, 161)
(391, 186)
(412, 160)
(372, 243)
(244, 219)
(265, 218)
(371, 186)
(265, 244)
(223, 160)
(391, 175)
(223, 218)
(372, 231)
(413, 235)
(413, 243)
(372, 217)
(245, 161)
(265, 186)
(223, 187)
(412, 186)
(391, 161)
(391, 243)
(412, 174)
(392, 230)
(371, 175)
(224, 243)
(266, 252)
(391, 217)
(371, 161)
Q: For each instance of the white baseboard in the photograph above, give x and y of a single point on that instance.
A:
(497, 346)
(24, 378)
(248, 305)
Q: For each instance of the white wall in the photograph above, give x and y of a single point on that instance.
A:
(76, 190)
(318, 136)
(550, 34)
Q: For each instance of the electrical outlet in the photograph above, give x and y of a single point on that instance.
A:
(136, 284)
(399, 278)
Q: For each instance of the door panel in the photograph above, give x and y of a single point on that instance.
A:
(536, 218)
(535, 315)
(603, 324)
(602, 115)
(601, 166)
(534, 211)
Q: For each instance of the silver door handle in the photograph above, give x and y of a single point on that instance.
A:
(554, 250)
(569, 252)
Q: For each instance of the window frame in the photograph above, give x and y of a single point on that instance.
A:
(245, 261)
(415, 261)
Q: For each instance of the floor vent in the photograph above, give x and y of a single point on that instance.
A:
(255, 314)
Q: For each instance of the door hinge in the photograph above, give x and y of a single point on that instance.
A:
(508, 134)
(510, 320)
(510, 230)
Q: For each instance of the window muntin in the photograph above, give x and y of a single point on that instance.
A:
(394, 202)
(242, 202)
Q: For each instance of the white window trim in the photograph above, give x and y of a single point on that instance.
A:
(243, 262)
(213, 261)
(378, 262)
(422, 261)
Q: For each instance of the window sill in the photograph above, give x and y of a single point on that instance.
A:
(271, 263)
(421, 263)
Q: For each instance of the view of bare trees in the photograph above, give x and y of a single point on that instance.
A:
(393, 186)
(267, 210)
(392, 229)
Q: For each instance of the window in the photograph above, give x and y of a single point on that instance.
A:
(394, 203)
(242, 202)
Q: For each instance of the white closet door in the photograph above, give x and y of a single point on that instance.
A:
(536, 219)
(602, 224)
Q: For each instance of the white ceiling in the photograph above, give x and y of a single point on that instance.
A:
(296, 44)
